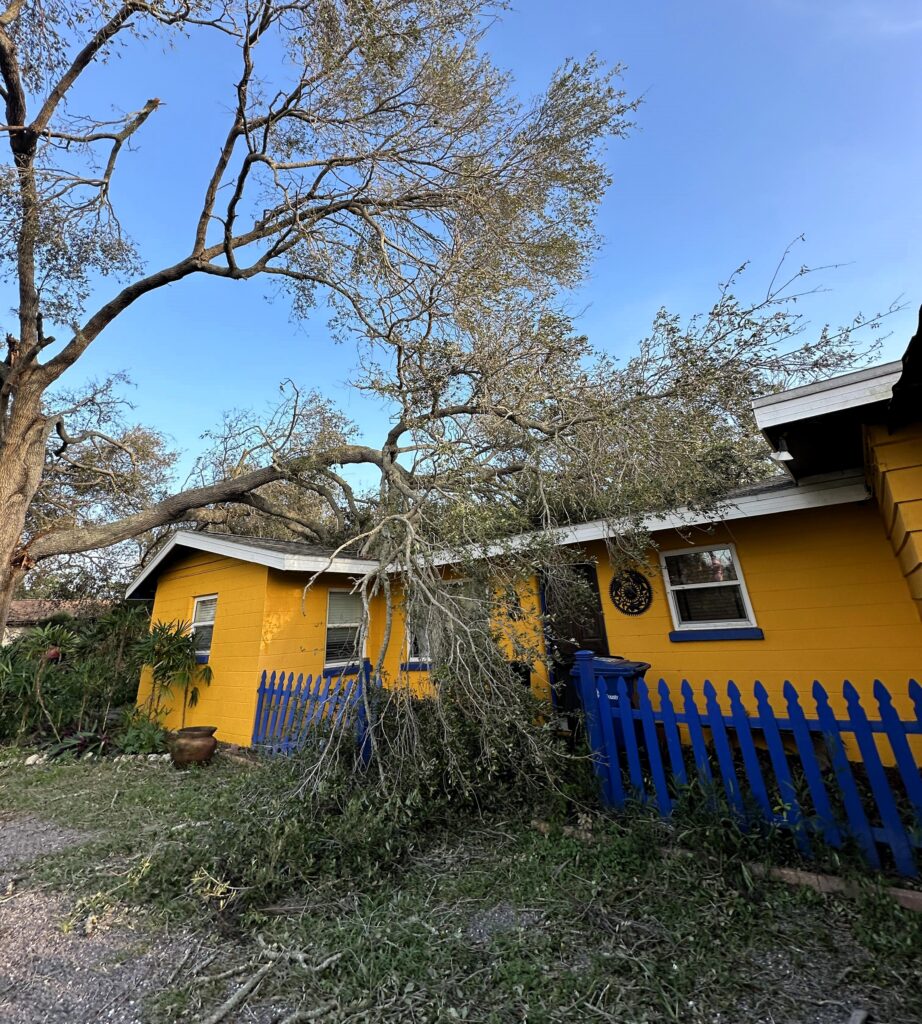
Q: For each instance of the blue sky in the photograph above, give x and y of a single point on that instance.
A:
(761, 122)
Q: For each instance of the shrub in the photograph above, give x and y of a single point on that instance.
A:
(63, 679)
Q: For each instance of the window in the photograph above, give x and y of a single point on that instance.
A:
(706, 588)
(418, 628)
(429, 628)
(344, 624)
(203, 614)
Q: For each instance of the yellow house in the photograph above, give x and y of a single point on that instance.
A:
(816, 574)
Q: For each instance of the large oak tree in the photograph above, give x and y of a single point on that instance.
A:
(375, 157)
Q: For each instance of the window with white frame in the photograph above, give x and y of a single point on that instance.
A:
(426, 627)
(706, 588)
(203, 616)
(344, 626)
(418, 626)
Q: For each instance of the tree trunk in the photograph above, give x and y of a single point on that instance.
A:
(22, 458)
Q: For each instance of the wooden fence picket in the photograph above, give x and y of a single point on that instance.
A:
(859, 826)
(792, 813)
(699, 749)
(832, 806)
(915, 692)
(893, 830)
(626, 714)
(605, 724)
(722, 747)
(660, 787)
(673, 740)
(818, 794)
(748, 750)
(899, 744)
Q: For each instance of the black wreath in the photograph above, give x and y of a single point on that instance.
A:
(631, 592)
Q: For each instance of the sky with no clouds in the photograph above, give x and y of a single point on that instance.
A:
(762, 120)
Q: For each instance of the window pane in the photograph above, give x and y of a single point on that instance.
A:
(202, 636)
(419, 647)
(342, 643)
(419, 624)
(710, 604)
(701, 567)
(344, 609)
(205, 610)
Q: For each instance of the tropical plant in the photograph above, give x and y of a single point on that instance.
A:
(62, 679)
(168, 649)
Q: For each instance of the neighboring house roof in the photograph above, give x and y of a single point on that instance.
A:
(29, 611)
(288, 556)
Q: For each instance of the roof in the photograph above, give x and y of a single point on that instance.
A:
(819, 428)
(907, 391)
(779, 494)
(863, 387)
(285, 555)
(28, 611)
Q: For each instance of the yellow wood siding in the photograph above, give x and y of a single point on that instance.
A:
(826, 590)
(230, 701)
(894, 467)
(294, 628)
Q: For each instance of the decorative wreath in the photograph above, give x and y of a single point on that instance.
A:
(631, 592)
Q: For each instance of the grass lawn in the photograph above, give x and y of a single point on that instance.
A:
(490, 921)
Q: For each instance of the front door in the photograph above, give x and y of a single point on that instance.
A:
(573, 609)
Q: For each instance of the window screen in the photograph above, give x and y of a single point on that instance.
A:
(344, 622)
(203, 616)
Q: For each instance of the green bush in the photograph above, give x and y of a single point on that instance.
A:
(67, 678)
(140, 732)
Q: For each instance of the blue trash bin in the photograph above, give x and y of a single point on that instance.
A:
(610, 670)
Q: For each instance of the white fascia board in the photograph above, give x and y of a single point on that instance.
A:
(253, 553)
(864, 387)
(840, 489)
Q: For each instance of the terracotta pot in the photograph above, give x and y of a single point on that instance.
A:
(193, 745)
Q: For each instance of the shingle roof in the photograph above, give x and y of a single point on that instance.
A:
(28, 611)
(285, 547)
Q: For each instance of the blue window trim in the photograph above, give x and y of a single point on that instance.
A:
(415, 666)
(201, 659)
(352, 669)
(683, 636)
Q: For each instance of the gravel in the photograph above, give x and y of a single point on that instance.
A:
(22, 839)
(60, 964)
(52, 976)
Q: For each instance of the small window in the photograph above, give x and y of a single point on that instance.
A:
(418, 629)
(203, 615)
(344, 625)
(706, 588)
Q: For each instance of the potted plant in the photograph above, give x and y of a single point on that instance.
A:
(169, 650)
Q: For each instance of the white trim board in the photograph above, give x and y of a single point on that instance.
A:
(284, 561)
(864, 387)
(840, 489)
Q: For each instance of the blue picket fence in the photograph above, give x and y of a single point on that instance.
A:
(639, 754)
(292, 712)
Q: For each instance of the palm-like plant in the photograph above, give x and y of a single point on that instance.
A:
(169, 650)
